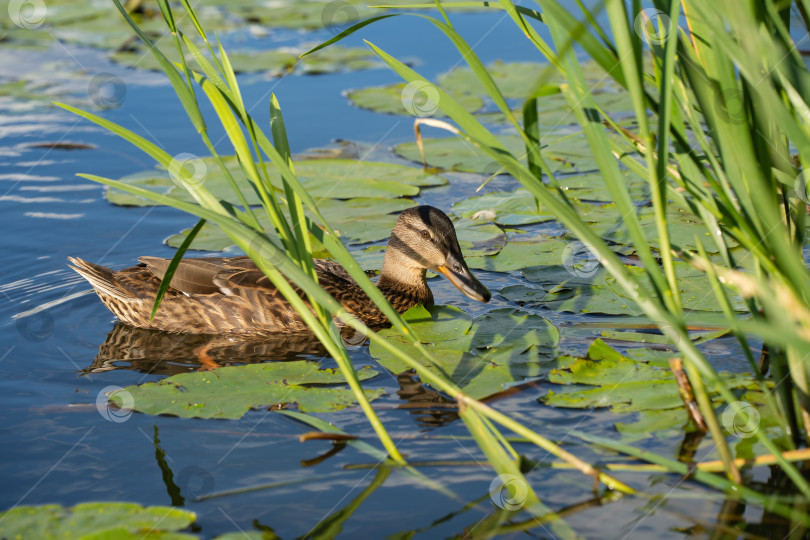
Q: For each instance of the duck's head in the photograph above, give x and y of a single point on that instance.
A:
(424, 239)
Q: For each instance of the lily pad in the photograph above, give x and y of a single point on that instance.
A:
(97, 520)
(273, 61)
(572, 296)
(564, 154)
(545, 250)
(591, 290)
(592, 187)
(229, 392)
(358, 221)
(388, 99)
(472, 351)
(323, 178)
(339, 59)
(479, 239)
(508, 208)
(453, 154)
(625, 385)
(309, 15)
(276, 62)
(517, 80)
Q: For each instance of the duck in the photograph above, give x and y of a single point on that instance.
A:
(232, 296)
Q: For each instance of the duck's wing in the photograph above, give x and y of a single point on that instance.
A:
(198, 275)
(331, 276)
(239, 278)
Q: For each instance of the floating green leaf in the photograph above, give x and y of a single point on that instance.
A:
(388, 99)
(457, 155)
(507, 208)
(545, 250)
(516, 80)
(482, 355)
(562, 153)
(323, 178)
(97, 520)
(276, 62)
(590, 289)
(229, 392)
(358, 221)
(626, 385)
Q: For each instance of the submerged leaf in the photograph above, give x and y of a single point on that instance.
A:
(484, 355)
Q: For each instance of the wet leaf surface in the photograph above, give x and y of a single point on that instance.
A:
(276, 62)
(229, 392)
(507, 208)
(389, 100)
(642, 384)
(97, 520)
(324, 178)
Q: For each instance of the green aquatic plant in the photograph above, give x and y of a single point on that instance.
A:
(718, 93)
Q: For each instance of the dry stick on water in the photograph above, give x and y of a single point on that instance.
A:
(687, 395)
(325, 436)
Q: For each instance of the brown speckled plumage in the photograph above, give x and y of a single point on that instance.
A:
(230, 295)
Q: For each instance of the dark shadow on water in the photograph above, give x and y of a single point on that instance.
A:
(432, 409)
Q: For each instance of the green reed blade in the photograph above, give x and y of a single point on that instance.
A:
(166, 280)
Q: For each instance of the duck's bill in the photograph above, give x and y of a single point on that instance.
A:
(463, 279)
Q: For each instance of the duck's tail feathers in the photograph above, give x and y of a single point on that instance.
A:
(101, 278)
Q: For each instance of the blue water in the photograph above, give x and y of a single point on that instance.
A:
(58, 448)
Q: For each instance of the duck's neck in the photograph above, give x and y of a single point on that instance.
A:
(402, 284)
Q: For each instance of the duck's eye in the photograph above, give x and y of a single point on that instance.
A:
(425, 234)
